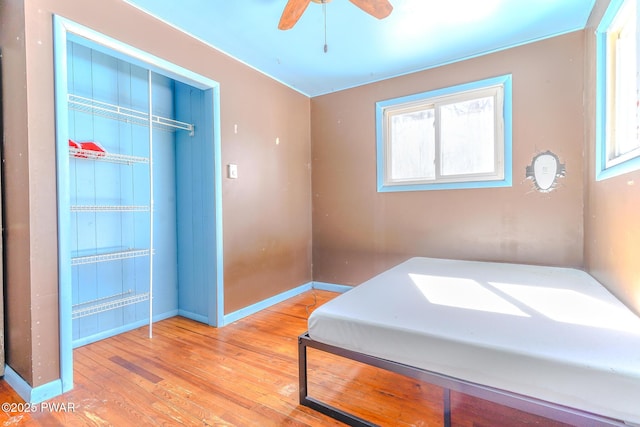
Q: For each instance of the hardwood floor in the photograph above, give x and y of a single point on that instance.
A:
(244, 374)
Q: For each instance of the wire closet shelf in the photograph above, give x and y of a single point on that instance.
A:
(90, 308)
(109, 208)
(122, 159)
(127, 115)
(110, 256)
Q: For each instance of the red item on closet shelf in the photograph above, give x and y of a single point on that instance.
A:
(77, 146)
(93, 146)
(96, 149)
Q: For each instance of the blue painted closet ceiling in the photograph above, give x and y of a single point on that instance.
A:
(419, 34)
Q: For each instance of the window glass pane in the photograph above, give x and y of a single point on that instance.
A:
(467, 138)
(413, 145)
(626, 89)
(623, 85)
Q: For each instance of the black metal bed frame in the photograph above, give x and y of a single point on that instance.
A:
(524, 403)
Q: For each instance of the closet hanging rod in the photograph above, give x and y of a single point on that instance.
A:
(127, 115)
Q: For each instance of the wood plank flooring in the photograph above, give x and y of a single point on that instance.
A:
(244, 374)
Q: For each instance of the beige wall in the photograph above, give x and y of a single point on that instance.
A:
(612, 206)
(266, 211)
(358, 232)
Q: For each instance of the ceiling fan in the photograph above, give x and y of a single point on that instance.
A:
(295, 8)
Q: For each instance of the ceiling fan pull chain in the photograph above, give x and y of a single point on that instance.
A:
(324, 12)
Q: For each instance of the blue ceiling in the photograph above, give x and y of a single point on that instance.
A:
(419, 34)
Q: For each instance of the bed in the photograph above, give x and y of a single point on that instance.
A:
(547, 340)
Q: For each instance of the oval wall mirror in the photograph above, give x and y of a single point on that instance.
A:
(545, 169)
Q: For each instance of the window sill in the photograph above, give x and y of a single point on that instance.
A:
(630, 165)
(382, 188)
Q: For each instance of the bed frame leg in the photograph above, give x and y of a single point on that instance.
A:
(302, 371)
(446, 410)
(315, 404)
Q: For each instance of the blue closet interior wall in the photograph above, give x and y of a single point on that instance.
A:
(196, 206)
(184, 235)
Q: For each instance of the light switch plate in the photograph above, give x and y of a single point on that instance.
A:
(232, 171)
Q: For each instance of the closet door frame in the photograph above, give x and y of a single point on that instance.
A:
(66, 30)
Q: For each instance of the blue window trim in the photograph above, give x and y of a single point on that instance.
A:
(505, 81)
(602, 172)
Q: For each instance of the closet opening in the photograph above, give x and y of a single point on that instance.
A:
(139, 192)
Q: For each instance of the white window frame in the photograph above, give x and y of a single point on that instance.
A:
(610, 161)
(499, 88)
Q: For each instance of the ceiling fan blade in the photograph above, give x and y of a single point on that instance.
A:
(378, 8)
(292, 12)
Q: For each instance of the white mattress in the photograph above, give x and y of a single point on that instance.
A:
(551, 333)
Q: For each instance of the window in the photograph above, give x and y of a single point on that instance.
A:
(617, 91)
(458, 137)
